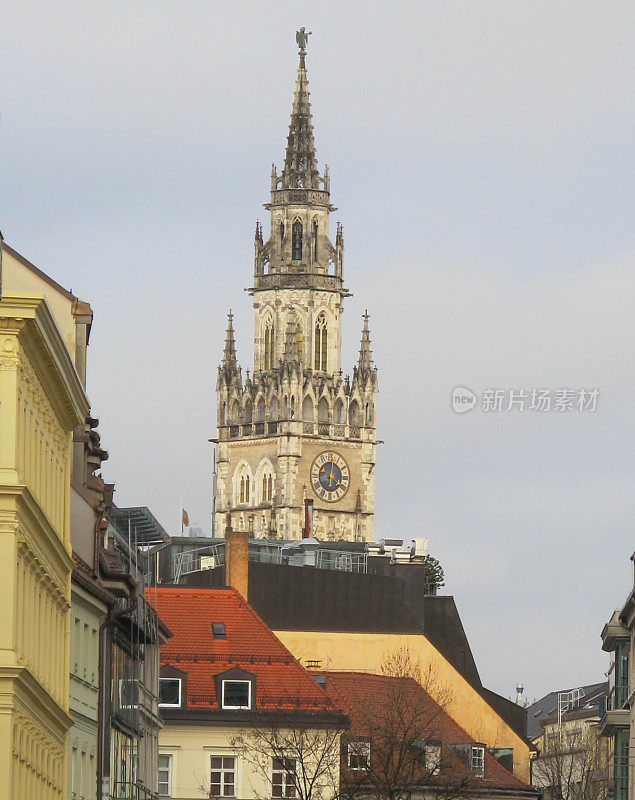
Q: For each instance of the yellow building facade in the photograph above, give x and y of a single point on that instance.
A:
(41, 401)
(365, 652)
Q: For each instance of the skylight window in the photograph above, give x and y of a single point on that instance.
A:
(218, 629)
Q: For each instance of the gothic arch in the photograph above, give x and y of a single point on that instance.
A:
(308, 411)
(268, 336)
(339, 412)
(274, 408)
(297, 237)
(265, 481)
(242, 484)
(320, 343)
(248, 410)
(323, 410)
(260, 409)
(234, 412)
(354, 415)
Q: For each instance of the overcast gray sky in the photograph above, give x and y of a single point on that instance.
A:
(482, 159)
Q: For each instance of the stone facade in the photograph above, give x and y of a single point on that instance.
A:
(296, 438)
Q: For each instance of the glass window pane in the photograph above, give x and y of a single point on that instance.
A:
(228, 763)
(169, 691)
(217, 763)
(236, 694)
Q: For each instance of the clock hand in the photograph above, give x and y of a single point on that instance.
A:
(331, 477)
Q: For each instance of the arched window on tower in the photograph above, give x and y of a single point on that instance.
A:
(298, 337)
(339, 412)
(296, 241)
(321, 343)
(353, 413)
(269, 345)
(323, 410)
(307, 409)
(244, 488)
(248, 413)
(368, 414)
(267, 486)
(260, 410)
(273, 408)
(315, 239)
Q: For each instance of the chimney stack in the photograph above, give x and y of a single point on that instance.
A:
(237, 560)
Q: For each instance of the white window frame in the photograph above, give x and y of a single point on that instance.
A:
(477, 760)
(286, 778)
(170, 769)
(235, 708)
(361, 749)
(171, 705)
(222, 771)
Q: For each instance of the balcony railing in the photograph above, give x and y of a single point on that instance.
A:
(309, 428)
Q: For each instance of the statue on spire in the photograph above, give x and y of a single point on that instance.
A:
(302, 38)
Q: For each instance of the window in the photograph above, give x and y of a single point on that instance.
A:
(359, 755)
(244, 488)
(170, 692)
(620, 763)
(283, 777)
(269, 345)
(296, 241)
(218, 629)
(267, 487)
(504, 756)
(298, 339)
(321, 343)
(315, 239)
(477, 761)
(260, 410)
(223, 776)
(432, 757)
(165, 775)
(236, 694)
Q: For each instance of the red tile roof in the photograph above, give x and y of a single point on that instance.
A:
(362, 696)
(281, 682)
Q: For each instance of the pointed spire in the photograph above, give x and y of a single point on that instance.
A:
(365, 365)
(300, 163)
(230, 365)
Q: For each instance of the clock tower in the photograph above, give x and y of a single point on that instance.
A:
(297, 438)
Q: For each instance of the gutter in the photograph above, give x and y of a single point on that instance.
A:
(111, 619)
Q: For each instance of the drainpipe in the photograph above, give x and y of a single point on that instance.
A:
(111, 619)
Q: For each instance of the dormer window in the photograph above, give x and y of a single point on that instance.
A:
(218, 629)
(477, 760)
(236, 694)
(169, 692)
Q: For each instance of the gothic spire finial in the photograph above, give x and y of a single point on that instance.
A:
(229, 354)
(300, 162)
(365, 364)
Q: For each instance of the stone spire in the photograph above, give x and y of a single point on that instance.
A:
(230, 364)
(365, 365)
(300, 163)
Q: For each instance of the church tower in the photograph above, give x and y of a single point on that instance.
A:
(296, 438)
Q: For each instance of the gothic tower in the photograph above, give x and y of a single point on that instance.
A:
(297, 439)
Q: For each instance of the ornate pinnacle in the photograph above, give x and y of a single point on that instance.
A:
(365, 364)
(300, 162)
(230, 365)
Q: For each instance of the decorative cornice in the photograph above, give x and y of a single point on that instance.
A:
(43, 344)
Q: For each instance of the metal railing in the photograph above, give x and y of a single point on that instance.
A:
(197, 559)
(341, 562)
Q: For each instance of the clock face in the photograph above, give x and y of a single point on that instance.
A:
(330, 476)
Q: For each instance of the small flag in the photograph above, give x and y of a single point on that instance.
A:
(185, 522)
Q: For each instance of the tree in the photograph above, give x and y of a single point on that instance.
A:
(433, 572)
(396, 746)
(573, 762)
(292, 755)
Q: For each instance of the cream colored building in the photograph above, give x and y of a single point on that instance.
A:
(41, 401)
(297, 439)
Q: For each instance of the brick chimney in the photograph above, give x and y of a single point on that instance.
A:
(237, 560)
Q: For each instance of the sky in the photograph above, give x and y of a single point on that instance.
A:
(482, 163)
